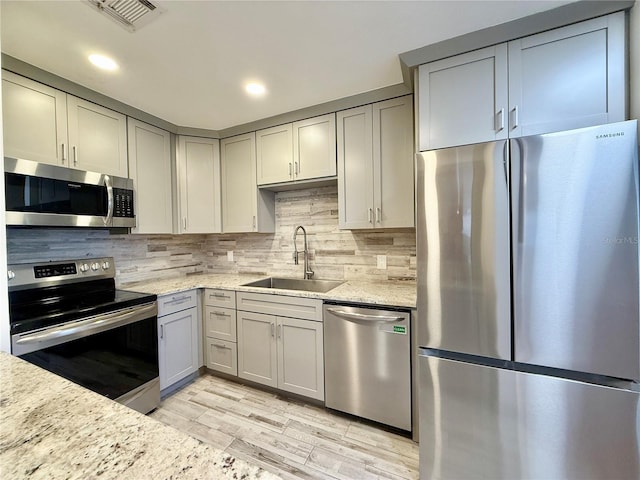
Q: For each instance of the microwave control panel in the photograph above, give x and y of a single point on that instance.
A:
(122, 203)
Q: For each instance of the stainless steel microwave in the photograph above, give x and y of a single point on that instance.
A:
(39, 194)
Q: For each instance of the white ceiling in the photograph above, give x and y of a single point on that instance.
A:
(188, 66)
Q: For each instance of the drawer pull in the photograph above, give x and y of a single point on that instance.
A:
(177, 300)
(219, 345)
(219, 295)
(221, 314)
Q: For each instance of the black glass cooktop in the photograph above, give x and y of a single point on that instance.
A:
(43, 307)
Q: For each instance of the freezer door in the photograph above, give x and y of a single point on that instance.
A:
(478, 422)
(463, 250)
(575, 247)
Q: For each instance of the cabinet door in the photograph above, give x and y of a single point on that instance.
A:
(220, 323)
(34, 120)
(393, 159)
(274, 147)
(300, 357)
(97, 138)
(222, 356)
(463, 99)
(238, 183)
(568, 78)
(257, 359)
(355, 168)
(199, 185)
(150, 169)
(314, 147)
(178, 346)
(244, 207)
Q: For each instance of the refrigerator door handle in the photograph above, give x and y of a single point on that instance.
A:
(517, 233)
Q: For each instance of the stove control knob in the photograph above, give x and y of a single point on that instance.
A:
(105, 265)
(95, 266)
(84, 268)
(11, 274)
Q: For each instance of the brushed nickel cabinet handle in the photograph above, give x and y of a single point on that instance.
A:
(516, 120)
(500, 120)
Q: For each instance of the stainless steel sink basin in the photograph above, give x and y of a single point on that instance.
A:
(320, 286)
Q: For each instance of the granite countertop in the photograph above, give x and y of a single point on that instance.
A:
(398, 294)
(51, 428)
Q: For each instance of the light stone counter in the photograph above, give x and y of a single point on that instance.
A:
(51, 428)
(398, 294)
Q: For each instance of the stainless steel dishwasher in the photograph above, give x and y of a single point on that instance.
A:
(367, 363)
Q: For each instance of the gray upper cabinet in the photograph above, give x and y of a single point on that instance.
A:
(275, 154)
(244, 207)
(98, 138)
(375, 165)
(463, 99)
(150, 169)
(198, 165)
(393, 161)
(49, 126)
(34, 120)
(302, 150)
(572, 77)
(566, 78)
(314, 147)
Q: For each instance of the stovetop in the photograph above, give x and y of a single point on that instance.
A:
(50, 293)
(39, 308)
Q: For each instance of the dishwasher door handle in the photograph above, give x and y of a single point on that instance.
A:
(364, 318)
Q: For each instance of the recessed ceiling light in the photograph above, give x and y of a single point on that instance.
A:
(256, 89)
(105, 63)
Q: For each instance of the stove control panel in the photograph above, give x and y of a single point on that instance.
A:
(44, 271)
(22, 276)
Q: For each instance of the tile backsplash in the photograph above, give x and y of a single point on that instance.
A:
(334, 254)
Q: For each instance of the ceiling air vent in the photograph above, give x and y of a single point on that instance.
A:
(131, 14)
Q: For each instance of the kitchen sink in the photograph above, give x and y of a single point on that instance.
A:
(320, 286)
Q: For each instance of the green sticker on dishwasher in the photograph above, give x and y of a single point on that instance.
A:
(399, 329)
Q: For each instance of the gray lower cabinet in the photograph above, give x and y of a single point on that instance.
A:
(257, 356)
(220, 331)
(177, 336)
(278, 350)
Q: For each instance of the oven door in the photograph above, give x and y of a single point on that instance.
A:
(114, 354)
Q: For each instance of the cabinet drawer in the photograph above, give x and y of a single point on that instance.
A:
(220, 323)
(176, 302)
(222, 356)
(220, 298)
(280, 305)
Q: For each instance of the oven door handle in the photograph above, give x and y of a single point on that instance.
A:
(30, 342)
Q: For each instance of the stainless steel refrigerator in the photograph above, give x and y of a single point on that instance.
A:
(528, 307)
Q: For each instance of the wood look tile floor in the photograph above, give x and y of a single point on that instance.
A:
(284, 436)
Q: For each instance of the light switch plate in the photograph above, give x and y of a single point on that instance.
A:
(230, 256)
(382, 262)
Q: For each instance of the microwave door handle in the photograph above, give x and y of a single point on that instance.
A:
(107, 184)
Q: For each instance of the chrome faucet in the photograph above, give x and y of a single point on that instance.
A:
(308, 273)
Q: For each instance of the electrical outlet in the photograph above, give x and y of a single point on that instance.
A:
(230, 256)
(382, 262)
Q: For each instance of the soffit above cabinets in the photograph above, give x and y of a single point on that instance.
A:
(189, 65)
